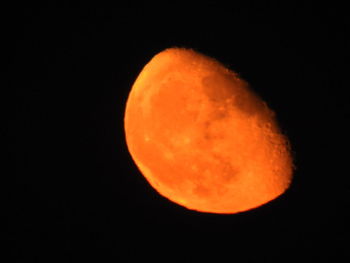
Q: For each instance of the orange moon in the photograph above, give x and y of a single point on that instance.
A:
(202, 138)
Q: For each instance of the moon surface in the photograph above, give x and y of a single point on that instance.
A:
(202, 138)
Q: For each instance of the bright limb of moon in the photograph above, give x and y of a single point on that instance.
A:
(202, 138)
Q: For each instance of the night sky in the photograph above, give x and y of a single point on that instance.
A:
(77, 196)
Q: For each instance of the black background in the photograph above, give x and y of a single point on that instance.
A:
(78, 196)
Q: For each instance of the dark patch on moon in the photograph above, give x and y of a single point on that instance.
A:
(218, 87)
(227, 171)
(248, 102)
(226, 90)
(201, 191)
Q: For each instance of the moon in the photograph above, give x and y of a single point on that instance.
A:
(202, 138)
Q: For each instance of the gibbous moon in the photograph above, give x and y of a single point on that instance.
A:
(202, 138)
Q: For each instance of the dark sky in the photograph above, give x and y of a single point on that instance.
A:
(79, 197)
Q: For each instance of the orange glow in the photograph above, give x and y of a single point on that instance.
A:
(202, 138)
